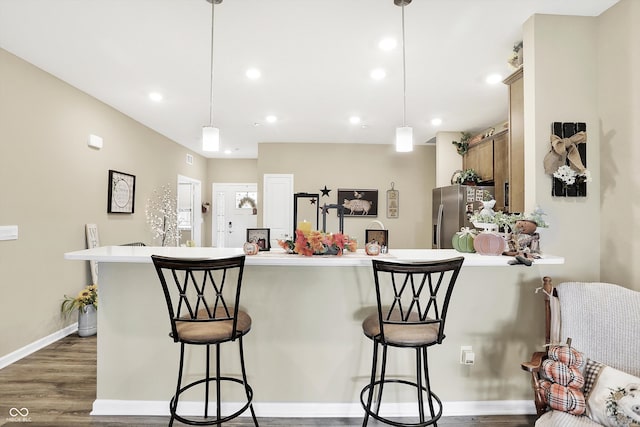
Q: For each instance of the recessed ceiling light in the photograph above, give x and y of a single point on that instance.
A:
(253, 73)
(378, 74)
(155, 96)
(388, 43)
(227, 151)
(354, 120)
(271, 119)
(493, 79)
(436, 121)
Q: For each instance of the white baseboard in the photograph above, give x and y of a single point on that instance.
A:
(36, 345)
(314, 410)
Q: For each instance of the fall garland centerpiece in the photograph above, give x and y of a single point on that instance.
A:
(319, 243)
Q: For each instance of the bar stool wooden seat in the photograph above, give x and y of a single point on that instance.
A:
(413, 299)
(203, 298)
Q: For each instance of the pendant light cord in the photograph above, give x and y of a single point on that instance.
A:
(404, 76)
(213, 2)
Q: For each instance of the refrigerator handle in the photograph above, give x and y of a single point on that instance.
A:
(438, 227)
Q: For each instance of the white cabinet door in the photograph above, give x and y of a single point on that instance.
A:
(277, 206)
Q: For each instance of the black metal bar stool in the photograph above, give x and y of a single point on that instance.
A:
(413, 299)
(203, 296)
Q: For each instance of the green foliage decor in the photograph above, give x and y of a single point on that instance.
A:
(468, 175)
(463, 146)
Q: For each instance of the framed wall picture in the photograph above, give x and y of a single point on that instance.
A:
(393, 202)
(260, 236)
(122, 190)
(380, 236)
(358, 202)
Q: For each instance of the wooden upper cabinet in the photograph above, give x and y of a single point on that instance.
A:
(480, 158)
(490, 159)
(516, 140)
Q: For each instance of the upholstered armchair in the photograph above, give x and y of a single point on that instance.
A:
(602, 323)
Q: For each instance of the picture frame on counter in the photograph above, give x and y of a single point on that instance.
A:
(261, 237)
(381, 237)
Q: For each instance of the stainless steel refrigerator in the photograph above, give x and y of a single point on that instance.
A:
(452, 207)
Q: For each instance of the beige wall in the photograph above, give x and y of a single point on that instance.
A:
(557, 93)
(362, 167)
(619, 113)
(52, 184)
(447, 158)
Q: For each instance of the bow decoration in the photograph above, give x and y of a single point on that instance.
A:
(466, 230)
(563, 149)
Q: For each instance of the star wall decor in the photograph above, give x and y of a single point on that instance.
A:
(325, 191)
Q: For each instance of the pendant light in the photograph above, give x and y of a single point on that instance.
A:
(404, 134)
(211, 134)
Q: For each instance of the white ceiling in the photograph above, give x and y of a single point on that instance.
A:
(315, 57)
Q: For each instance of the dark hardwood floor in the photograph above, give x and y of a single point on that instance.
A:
(57, 387)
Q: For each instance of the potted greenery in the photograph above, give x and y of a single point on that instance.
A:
(86, 302)
(468, 177)
(463, 146)
(516, 56)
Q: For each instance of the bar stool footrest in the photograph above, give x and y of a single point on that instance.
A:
(210, 420)
(374, 414)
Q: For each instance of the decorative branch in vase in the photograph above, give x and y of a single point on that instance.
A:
(162, 216)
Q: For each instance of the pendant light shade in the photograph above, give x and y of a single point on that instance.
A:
(211, 134)
(404, 134)
(210, 138)
(404, 139)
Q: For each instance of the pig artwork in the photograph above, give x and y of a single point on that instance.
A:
(358, 202)
(357, 206)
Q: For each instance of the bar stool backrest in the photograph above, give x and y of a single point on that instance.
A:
(415, 293)
(201, 290)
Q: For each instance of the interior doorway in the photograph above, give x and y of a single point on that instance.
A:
(189, 210)
(234, 210)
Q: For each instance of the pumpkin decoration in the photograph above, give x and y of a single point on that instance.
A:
(489, 243)
(250, 248)
(562, 380)
(372, 248)
(462, 241)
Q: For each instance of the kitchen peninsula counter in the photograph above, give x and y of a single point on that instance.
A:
(306, 354)
(275, 257)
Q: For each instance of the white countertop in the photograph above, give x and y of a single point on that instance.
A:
(277, 256)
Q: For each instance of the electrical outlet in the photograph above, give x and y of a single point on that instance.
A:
(467, 356)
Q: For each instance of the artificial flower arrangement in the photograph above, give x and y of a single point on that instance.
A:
(86, 297)
(319, 243)
(569, 176)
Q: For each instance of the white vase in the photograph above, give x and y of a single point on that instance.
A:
(87, 321)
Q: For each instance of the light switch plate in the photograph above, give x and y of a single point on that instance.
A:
(8, 232)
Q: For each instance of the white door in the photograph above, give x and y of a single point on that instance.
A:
(234, 210)
(189, 209)
(277, 204)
